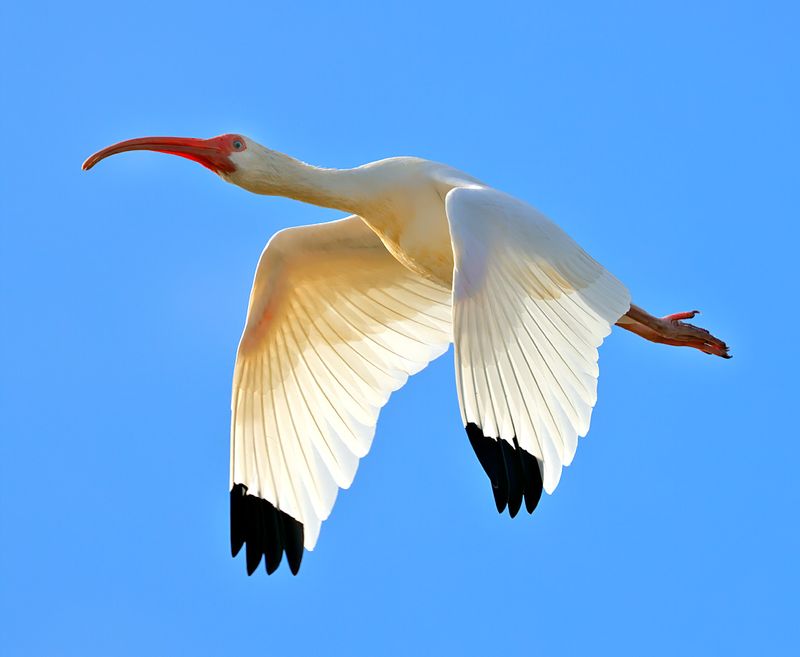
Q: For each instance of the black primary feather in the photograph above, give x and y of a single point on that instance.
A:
(490, 457)
(516, 482)
(532, 474)
(515, 474)
(264, 531)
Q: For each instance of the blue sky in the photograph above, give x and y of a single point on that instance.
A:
(662, 136)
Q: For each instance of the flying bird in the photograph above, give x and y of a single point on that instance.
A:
(342, 313)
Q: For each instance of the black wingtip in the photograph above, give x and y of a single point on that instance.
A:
(292, 542)
(264, 531)
(516, 483)
(515, 474)
(486, 450)
(532, 475)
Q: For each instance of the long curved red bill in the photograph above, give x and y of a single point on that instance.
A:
(211, 153)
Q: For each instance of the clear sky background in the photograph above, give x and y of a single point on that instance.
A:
(662, 136)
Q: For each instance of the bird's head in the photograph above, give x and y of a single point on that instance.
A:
(241, 161)
(229, 156)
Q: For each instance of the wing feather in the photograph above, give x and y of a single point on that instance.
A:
(335, 324)
(530, 309)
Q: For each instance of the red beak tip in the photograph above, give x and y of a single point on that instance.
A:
(211, 153)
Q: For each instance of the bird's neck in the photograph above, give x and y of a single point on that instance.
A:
(278, 174)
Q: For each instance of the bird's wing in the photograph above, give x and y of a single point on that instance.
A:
(530, 309)
(334, 325)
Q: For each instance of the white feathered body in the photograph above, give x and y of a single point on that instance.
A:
(402, 199)
(342, 313)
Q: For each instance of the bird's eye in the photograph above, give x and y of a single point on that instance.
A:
(237, 144)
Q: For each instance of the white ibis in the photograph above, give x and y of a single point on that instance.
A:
(341, 313)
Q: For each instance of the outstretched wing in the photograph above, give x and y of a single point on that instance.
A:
(530, 309)
(334, 325)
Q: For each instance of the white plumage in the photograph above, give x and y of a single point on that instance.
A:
(342, 313)
(335, 325)
(530, 309)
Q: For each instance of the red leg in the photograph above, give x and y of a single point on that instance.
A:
(671, 330)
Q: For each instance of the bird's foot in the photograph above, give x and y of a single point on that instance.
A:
(672, 330)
